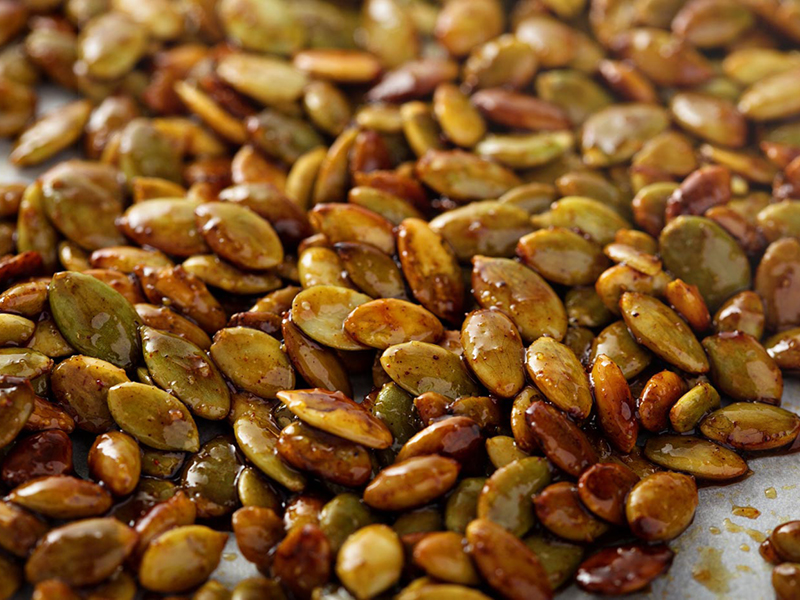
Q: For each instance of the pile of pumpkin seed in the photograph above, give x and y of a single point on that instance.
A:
(414, 299)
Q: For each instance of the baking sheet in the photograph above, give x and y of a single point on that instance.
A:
(716, 558)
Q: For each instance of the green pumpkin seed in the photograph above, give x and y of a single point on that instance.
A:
(462, 505)
(616, 342)
(81, 553)
(409, 365)
(487, 228)
(48, 340)
(506, 497)
(342, 516)
(373, 271)
(15, 330)
(559, 559)
(254, 490)
(502, 451)
(594, 219)
(772, 97)
(320, 311)
(184, 370)
(743, 312)
(110, 45)
(562, 256)
(697, 457)
(701, 253)
(463, 177)
(502, 62)
(389, 321)
(153, 416)
(181, 558)
(267, 369)
(145, 152)
(269, 26)
(784, 348)
(51, 134)
(780, 220)
(209, 478)
(493, 350)
(525, 151)
(16, 405)
(460, 121)
(287, 82)
(166, 224)
(777, 282)
(76, 300)
(24, 363)
(557, 372)
(217, 273)
(614, 134)
(160, 463)
(585, 308)
(257, 436)
(80, 384)
(521, 294)
(281, 136)
(660, 329)
(686, 413)
(742, 369)
(420, 128)
(747, 426)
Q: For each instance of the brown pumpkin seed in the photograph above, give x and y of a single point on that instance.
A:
(370, 560)
(115, 460)
(661, 506)
(411, 483)
(746, 426)
(624, 569)
(616, 411)
(559, 509)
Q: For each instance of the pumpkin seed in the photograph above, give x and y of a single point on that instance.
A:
(370, 561)
(62, 497)
(80, 384)
(742, 369)
(209, 477)
(557, 372)
(115, 460)
(699, 458)
(661, 506)
(751, 426)
(559, 509)
(320, 311)
(51, 134)
(593, 218)
(783, 349)
(661, 330)
(16, 406)
(409, 365)
(559, 559)
(562, 256)
(153, 417)
(565, 445)
(184, 370)
(269, 370)
(776, 281)
(387, 322)
(505, 497)
(623, 569)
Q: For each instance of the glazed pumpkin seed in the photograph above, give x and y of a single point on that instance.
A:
(661, 330)
(325, 455)
(146, 152)
(209, 477)
(24, 363)
(75, 299)
(217, 273)
(559, 559)
(623, 569)
(603, 487)
(776, 282)
(81, 553)
(746, 426)
(502, 450)
(239, 235)
(114, 459)
(456, 437)
(16, 406)
(431, 269)
(524, 151)
(153, 417)
(166, 224)
(615, 406)
(269, 369)
(493, 350)
(258, 530)
(722, 269)
(594, 219)
(288, 82)
(412, 483)
(505, 498)
(337, 414)
(352, 223)
(387, 322)
(262, 27)
(318, 365)
(342, 516)
(15, 330)
(375, 273)
(771, 97)
(585, 308)
(196, 548)
(442, 555)
(784, 540)
(257, 439)
(520, 293)
(660, 394)
(160, 463)
(19, 530)
(184, 370)
(742, 369)
(51, 134)
(783, 349)
(62, 497)
(559, 375)
(370, 561)
(304, 550)
(391, 207)
(699, 458)
(160, 317)
(464, 177)
(686, 413)
(320, 266)
(420, 128)
(506, 563)
(486, 228)
(562, 256)
(559, 509)
(320, 311)
(614, 134)
(661, 506)
(565, 445)
(621, 278)
(254, 490)
(409, 365)
(616, 342)
(110, 45)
